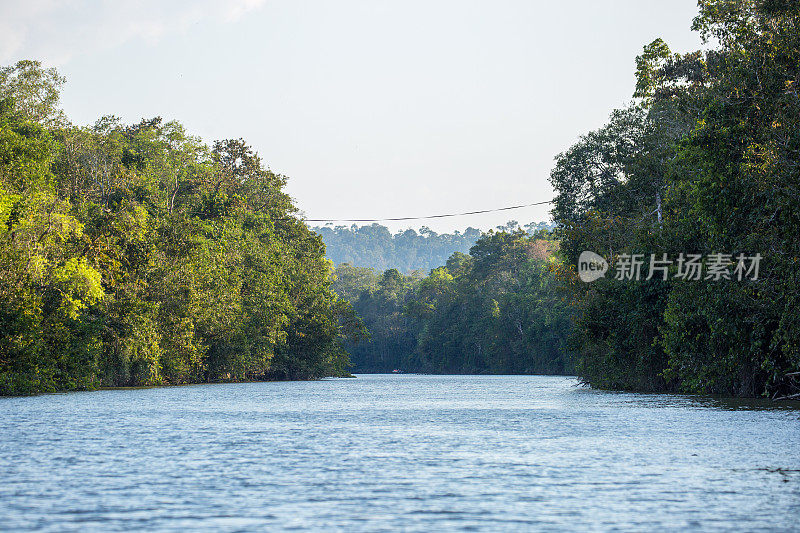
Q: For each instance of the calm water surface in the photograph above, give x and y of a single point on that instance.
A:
(415, 453)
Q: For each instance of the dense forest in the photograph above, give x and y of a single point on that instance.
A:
(137, 255)
(374, 246)
(706, 160)
(498, 310)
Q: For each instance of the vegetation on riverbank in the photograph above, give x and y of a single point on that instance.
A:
(137, 255)
(706, 160)
(497, 310)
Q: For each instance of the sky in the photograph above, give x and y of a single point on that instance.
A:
(372, 108)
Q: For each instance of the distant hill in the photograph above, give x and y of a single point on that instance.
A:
(374, 246)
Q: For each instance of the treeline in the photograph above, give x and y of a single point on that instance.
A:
(374, 246)
(497, 310)
(137, 255)
(706, 160)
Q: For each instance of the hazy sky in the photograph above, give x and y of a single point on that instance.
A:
(372, 108)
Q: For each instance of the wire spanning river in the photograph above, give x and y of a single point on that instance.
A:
(417, 453)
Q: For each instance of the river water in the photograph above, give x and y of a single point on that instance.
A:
(388, 452)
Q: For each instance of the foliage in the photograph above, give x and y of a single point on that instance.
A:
(497, 310)
(705, 161)
(374, 246)
(137, 255)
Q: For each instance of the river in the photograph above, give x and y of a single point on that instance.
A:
(388, 452)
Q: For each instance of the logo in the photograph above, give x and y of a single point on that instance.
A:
(685, 267)
(591, 266)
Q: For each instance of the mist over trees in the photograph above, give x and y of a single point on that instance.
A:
(374, 246)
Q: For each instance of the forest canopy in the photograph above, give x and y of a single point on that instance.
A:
(135, 254)
(374, 246)
(498, 310)
(706, 160)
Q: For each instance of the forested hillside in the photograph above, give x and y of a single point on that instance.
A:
(137, 255)
(374, 246)
(706, 161)
(497, 311)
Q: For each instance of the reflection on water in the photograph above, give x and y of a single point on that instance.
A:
(702, 401)
(417, 453)
(761, 404)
